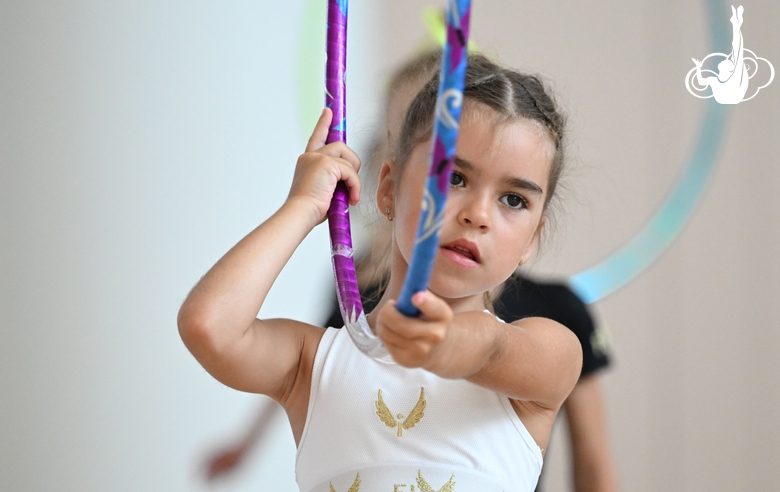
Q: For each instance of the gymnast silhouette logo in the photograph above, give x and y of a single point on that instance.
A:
(730, 84)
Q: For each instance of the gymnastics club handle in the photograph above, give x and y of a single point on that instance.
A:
(445, 134)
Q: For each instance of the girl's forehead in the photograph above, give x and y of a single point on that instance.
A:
(500, 125)
(521, 139)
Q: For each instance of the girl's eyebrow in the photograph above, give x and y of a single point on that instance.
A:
(510, 180)
(525, 185)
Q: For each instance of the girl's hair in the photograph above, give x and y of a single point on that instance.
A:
(404, 85)
(373, 264)
(510, 94)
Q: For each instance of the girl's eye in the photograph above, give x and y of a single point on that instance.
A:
(457, 180)
(513, 201)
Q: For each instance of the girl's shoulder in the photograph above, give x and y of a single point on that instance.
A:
(542, 326)
(551, 351)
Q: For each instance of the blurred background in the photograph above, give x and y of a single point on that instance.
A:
(139, 140)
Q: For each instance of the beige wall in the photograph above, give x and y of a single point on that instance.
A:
(694, 391)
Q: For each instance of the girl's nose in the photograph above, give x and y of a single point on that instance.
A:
(475, 212)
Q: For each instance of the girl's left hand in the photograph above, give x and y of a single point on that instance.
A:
(415, 342)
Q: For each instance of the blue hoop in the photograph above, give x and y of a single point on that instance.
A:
(641, 251)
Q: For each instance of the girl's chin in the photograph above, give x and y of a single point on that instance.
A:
(452, 295)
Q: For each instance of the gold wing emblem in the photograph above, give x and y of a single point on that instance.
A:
(417, 412)
(386, 416)
(425, 486)
(384, 413)
(355, 485)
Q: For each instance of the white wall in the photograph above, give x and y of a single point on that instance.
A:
(139, 140)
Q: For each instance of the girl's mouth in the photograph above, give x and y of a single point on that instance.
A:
(462, 252)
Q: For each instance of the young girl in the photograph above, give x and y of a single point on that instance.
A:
(469, 402)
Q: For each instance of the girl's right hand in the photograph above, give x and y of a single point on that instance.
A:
(321, 167)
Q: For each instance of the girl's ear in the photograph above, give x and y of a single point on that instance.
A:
(529, 250)
(385, 193)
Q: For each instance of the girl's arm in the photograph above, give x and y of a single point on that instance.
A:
(534, 359)
(217, 320)
(594, 470)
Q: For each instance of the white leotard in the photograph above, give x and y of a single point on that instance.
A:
(425, 433)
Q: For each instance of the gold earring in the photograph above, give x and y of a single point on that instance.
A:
(387, 213)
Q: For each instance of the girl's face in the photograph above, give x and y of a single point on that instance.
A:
(494, 209)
